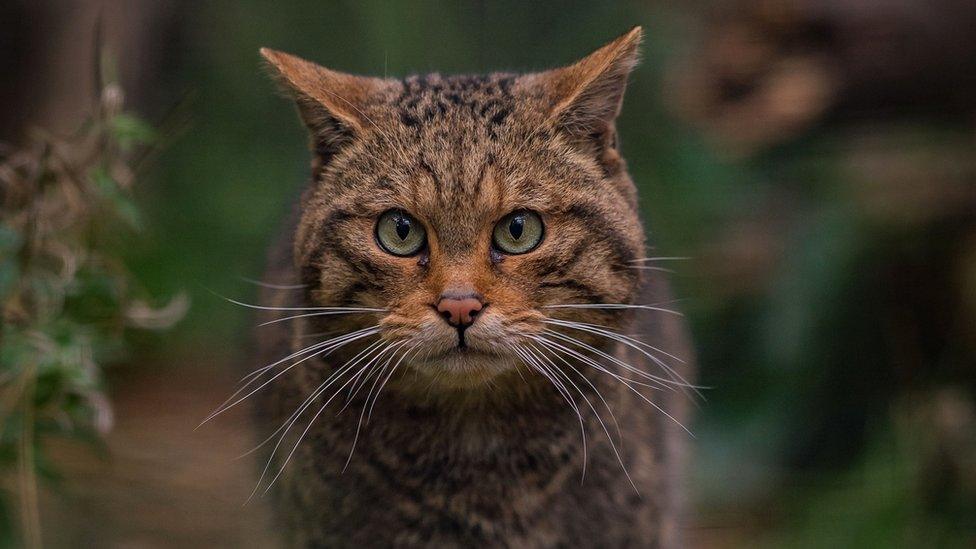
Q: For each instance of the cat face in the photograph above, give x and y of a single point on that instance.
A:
(471, 210)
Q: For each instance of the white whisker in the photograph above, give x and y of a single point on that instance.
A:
(632, 343)
(357, 386)
(363, 333)
(333, 311)
(294, 415)
(662, 258)
(269, 308)
(587, 361)
(309, 426)
(656, 384)
(651, 268)
(273, 286)
(308, 400)
(611, 306)
(658, 408)
(359, 424)
(662, 383)
(385, 380)
(287, 425)
(603, 425)
(561, 389)
(312, 347)
(540, 340)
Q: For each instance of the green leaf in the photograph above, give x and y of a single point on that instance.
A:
(130, 130)
(10, 242)
(117, 199)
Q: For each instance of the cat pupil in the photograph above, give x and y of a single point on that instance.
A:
(516, 227)
(402, 228)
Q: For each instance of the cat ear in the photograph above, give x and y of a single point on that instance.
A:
(330, 103)
(585, 97)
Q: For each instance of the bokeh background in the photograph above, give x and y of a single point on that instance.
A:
(814, 160)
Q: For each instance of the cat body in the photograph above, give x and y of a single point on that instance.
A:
(460, 285)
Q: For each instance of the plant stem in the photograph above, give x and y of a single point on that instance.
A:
(30, 511)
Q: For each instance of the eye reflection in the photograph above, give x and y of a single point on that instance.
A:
(402, 228)
(516, 226)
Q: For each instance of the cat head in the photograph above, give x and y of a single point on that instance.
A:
(473, 210)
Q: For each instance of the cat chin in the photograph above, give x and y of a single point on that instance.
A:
(464, 368)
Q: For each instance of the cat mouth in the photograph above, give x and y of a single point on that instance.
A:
(465, 367)
(459, 354)
(466, 350)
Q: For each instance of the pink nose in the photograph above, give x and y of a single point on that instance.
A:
(459, 311)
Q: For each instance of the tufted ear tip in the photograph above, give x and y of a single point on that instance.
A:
(628, 41)
(585, 97)
(610, 64)
(276, 59)
(635, 34)
(293, 70)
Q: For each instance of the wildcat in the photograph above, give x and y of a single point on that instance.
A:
(447, 363)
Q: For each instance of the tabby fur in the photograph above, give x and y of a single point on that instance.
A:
(470, 447)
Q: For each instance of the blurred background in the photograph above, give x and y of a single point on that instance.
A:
(813, 159)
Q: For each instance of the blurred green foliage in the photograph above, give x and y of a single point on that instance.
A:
(67, 298)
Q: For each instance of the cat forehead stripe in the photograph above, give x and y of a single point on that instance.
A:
(427, 97)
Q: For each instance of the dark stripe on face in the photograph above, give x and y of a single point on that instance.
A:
(349, 294)
(605, 233)
(587, 293)
(368, 271)
(336, 218)
(310, 279)
(558, 265)
(365, 277)
(368, 275)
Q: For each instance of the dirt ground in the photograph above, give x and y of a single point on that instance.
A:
(159, 483)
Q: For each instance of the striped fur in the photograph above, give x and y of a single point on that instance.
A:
(468, 448)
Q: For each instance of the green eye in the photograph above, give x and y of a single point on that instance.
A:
(399, 233)
(518, 232)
